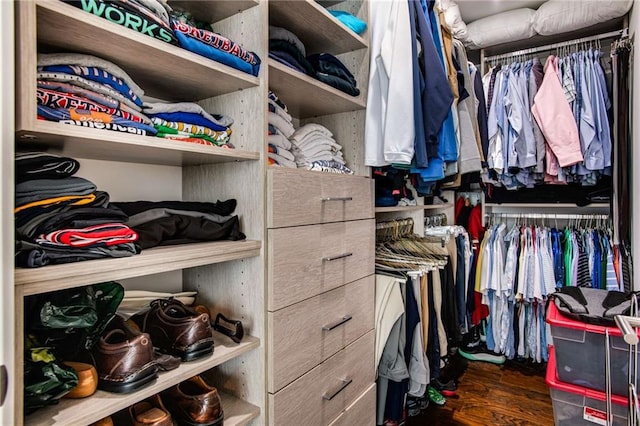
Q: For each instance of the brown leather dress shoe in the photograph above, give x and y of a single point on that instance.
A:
(87, 380)
(107, 421)
(194, 403)
(124, 358)
(176, 329)
(150, 412)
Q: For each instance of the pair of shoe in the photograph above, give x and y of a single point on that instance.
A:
(192, 402)
(124, 356)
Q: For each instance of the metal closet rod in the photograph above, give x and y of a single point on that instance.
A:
(547, 216)
(623, 32)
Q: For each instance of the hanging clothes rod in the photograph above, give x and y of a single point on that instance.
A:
(612, 34)
(547, 216)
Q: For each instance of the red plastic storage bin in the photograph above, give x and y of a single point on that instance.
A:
(576, 406)
(580, 353)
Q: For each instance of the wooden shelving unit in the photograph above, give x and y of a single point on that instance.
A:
(152, 261)
(102, 404)
(228, 275)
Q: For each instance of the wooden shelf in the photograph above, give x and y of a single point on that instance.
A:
(164, 71)
(413, 208)
(81, 142)
(218, 10)
(319, 31)
(152, 261)
(307, 97)
(102, 404)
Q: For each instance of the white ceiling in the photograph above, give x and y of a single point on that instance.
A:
(476, 9)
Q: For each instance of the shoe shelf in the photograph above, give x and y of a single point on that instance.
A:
(318, 30)
(207, 12)
(102, 404)
(307, 97)
(154, 65)
(80, 142)
(413, 208)
(152, 261)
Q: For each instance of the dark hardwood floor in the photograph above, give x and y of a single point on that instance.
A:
(513, 394)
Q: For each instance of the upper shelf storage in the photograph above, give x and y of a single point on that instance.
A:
(307, 97)
(163, 70)
(219, 10)
(318, 30)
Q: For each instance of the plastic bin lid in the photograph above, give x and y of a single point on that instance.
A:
(554, 382)
(556, 319)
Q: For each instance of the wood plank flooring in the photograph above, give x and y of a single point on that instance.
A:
(490, 395)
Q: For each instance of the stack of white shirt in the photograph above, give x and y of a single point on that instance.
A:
(314, 142)
(279, 148)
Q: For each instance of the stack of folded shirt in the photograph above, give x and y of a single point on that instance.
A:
(189, 122)
(181, 222)
(87, 91)
(332, 71)
(60, 218)
(314, 148)
(199, 39)
(286, 48)
(150, 17)
(280, 129)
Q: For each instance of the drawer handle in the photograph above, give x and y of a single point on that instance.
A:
(329, 396)
(330, 327)
(337, 199)
(340, 256)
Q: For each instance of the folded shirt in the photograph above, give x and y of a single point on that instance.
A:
(73, 200)
(330, 167)
(75, 218)
(224, 208)
(329, 64)
(60, 87)
(278, 33)
(86, 116)
(338, 83)
(129, 15)
(191, 118)
(293, 53)
(285, 127)
(97, 75)
(74, 80)
(102, 235)
(80, 59)
(42, 165)
(287, 59)
(179, 229)
(281, 152)
(37, 190)
(153, 214)
(280, 141)
(282, 161)
(55, 99)
(274, 107)
(354, 23)
(273, 97)
(216, 47)
(191, 129)
(31, 255)
(192, 107)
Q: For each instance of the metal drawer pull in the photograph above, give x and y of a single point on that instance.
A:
(337, 199)
(330, 327)
(340, 256)
(345, 382)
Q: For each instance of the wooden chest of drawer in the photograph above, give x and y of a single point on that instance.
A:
(306, 333)
(298, 197)
(318, 397)
(362, 412)
(308, 260)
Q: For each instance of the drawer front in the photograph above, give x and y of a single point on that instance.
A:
(298, 197)
(305, 261)
(361, 413)
(318, 397)
(306, 333)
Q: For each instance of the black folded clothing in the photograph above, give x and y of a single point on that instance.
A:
(292, 52)
(179, 229)
(329, 64)
(31, 255)
(40, 165)
(223, 208)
